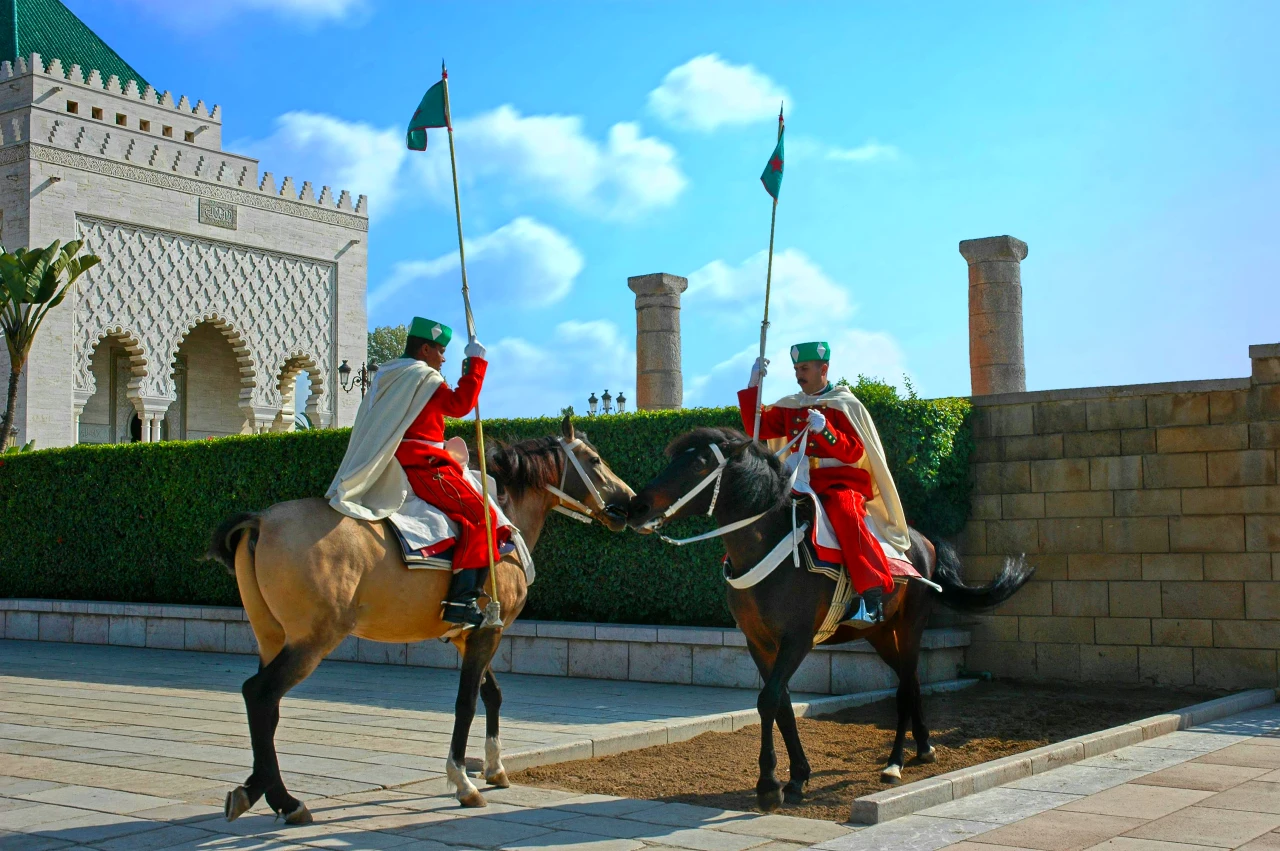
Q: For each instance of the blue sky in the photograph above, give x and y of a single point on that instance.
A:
(1132, 145)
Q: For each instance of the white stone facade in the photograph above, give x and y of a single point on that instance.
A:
(215, 289)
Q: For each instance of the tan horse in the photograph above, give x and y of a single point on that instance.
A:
(309, 577)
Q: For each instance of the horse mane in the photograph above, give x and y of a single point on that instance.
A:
(760, 482)
(526, 465)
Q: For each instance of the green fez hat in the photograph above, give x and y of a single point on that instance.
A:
(431, 331)
(810, 351)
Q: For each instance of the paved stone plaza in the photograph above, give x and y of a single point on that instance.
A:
(1215, 786)
(119, 748)
(109, 747)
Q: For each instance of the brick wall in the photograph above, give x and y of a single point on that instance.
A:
(1152, 514)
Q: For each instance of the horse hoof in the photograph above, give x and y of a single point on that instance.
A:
(473, 799)
(237, 803)
(499, 780)
(892, 775)
(793, 792)
(770, 801)
(301, 815)
(927, 757)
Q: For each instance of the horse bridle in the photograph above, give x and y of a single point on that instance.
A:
(569, 506)
(716, 476)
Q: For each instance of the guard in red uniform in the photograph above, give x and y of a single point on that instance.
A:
(833, 450)
(437, 478)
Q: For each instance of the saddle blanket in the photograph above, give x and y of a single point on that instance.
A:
(823, 538)
(427, 535)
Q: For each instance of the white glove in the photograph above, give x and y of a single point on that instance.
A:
(817, 422)
(474, 350)
(759, 370)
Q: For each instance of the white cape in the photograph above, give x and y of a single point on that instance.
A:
(370, 483)
(884, 508)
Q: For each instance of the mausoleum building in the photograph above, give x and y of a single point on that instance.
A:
(218, 284)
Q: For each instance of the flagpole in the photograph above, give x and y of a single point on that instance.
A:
(764, 324)
(493, 611)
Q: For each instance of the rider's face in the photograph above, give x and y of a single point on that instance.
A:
(811, 375)
(432, 354)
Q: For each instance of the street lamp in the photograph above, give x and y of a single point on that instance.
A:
(608, 402)
(592, 403)
(362, 379)
(622, 404)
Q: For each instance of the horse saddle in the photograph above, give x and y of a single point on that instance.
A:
(431, 558)
(843, 595)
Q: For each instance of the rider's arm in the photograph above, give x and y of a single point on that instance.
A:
(773, 421)
(838, 440)
(461, 400)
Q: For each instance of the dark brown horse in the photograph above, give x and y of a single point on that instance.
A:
(782, 614)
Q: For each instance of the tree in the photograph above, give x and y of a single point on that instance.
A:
(386, 343)
(31, 284)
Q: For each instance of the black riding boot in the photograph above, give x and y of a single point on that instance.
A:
(460, 607)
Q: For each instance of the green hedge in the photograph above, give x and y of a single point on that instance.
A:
(130, 522)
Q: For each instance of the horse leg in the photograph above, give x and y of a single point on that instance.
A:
(925, 753)
(800, 772)
(262, 693)
(480, 646)
(902, 653)
(494, 773)
(790, 655)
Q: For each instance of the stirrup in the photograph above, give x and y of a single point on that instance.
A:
(862, 615)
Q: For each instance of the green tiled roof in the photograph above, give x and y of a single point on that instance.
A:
(49, 28)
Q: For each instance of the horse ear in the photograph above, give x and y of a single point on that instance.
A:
(739, 447)
(566, 428)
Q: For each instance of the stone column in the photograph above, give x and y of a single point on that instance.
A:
(996, 362)
(151, 411)
(659, 385)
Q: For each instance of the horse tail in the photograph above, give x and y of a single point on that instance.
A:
(966, 598)
(226, 538)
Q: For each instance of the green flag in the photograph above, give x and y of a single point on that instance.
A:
(771, 177)
(430, 113)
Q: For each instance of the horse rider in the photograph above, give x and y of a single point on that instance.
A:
(397, 444)
(845, 468)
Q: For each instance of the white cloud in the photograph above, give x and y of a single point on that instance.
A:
(707, 92)
(563, 368)
(329, 151)
(806, 304)
(804, 147)
(870, 151)
(188, 14)
(523, 264)
(622, 177)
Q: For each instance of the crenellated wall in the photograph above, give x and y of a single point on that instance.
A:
(1152, 515)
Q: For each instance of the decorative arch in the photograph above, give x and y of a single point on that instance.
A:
(287, 373)
(239, 347)
(131, 342)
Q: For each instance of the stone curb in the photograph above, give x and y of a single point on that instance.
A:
(901, 801)
(723, 722)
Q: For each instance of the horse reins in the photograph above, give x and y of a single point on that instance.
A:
(575, 509)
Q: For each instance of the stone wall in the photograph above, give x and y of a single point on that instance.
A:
(1152, 515)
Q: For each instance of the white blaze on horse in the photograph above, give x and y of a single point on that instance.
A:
(310, 576)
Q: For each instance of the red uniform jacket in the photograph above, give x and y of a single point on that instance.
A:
(429, 425)
(437, 478)
(843, 489)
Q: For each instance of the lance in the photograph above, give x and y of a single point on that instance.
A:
(493, 611)
(768, 283)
